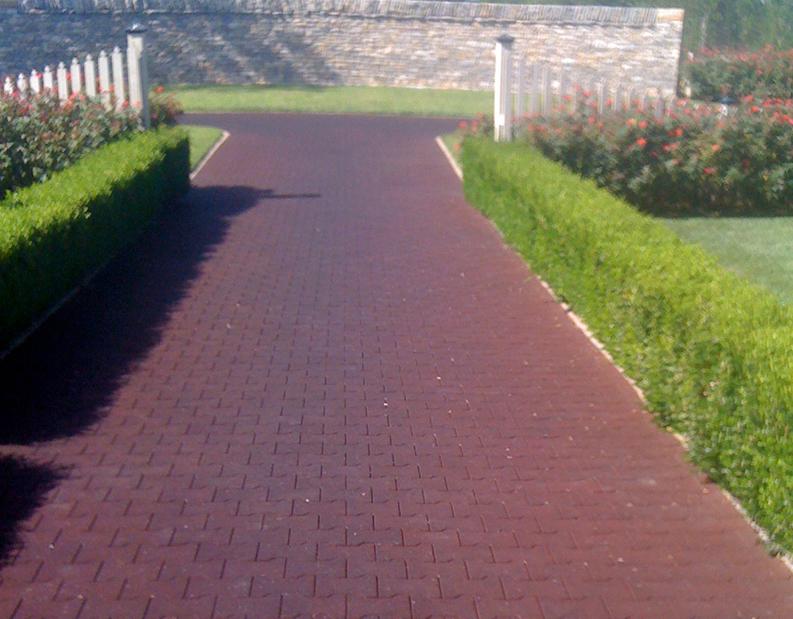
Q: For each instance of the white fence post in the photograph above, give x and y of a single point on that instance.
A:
(502, 100)
(63, 84)
(77, 85)
(138, 73)
(104, 79)
(119, 90)
(90, 76)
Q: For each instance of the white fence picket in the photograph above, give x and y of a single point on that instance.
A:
(104, 79)
(502, 101)
(660, 107)
(76, 75)
(35, 82)
(545, 91)
(22, 84)
(63, 84)
(118, 78)
(600, 94)
(48, 82)
(90, 76)
(534, 90)
(520, 99)
(564, 81)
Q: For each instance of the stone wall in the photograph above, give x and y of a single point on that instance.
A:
(367, 42)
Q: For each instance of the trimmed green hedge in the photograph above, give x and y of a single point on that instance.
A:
(54, 233)
(712, 352)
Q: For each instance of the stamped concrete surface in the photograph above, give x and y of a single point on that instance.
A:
(324, 387)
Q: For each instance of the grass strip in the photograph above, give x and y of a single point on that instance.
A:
(332, 100)
(201, 140)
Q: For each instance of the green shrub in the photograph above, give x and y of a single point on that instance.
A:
(54, 233)
(710, 351)
(693, 160)
(40, 135)
(164, 108)
(767, 73)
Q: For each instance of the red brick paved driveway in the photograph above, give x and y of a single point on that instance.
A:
(325, 388)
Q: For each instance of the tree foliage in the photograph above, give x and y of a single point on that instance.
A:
(717, 23)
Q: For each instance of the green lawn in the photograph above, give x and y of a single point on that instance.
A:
(341, 99)
(758, 248)
(201, 140)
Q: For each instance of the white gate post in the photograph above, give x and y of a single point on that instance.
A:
(138, 72)
(502, 101)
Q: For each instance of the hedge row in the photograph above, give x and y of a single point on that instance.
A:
(54, 233)
(710, 351)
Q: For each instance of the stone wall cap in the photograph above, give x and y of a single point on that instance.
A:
(666, 15)
(408, 9)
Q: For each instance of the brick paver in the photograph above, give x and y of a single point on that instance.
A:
(325, 388)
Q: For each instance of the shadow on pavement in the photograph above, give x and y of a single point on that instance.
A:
(57, 383)
(23, 485)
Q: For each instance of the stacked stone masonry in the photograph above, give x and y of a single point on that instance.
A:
(355, 42)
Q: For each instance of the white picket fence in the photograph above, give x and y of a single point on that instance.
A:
(107, 80)
(537, 89)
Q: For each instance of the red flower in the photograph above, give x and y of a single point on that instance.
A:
(709, 171)
(641, 142)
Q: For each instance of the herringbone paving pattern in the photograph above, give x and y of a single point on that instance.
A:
(323, 387)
